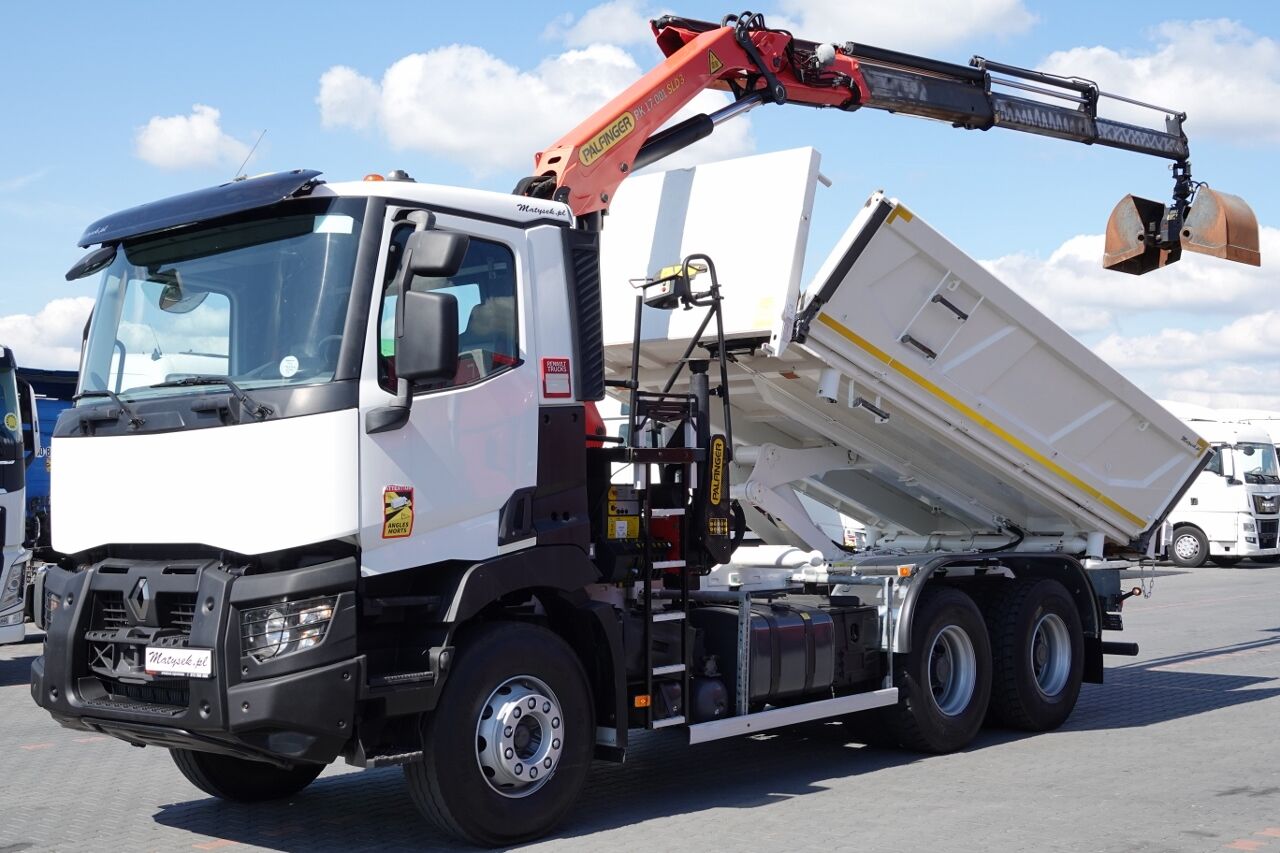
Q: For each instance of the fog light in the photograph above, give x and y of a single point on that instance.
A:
(1251, 540)
(290, 626)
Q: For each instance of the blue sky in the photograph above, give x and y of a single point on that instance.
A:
(84, 81)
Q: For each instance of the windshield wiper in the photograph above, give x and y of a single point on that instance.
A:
(258, 410)
(134, 420)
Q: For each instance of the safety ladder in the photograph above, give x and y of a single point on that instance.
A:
(655, 410)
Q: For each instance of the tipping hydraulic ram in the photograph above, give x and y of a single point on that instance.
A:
(760, 65)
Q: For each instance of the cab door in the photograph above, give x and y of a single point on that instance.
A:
(433, 489)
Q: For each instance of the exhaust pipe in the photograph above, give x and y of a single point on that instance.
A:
(1144, 235)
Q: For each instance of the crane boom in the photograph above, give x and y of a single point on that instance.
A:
(759, 65)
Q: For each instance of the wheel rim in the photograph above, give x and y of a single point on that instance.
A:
(1051, 654)
(953, 670)
(519, 736)
(1186, 547)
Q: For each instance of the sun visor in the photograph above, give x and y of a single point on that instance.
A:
(209, 203)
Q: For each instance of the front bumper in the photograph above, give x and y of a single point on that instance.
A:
(297, 707)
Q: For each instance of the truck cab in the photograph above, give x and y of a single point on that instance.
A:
(1231, 511)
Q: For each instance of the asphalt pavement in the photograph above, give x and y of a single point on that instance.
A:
(1178, 751)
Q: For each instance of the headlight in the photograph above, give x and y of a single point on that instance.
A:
(287, 627)
(12, 590)
(1248, 526)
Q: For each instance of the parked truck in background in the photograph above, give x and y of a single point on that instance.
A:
(53, 391)
(285, 538)
(19, 446)
(1232, 510)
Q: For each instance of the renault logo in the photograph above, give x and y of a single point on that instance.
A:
(140, 600)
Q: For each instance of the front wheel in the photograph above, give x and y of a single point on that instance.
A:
(229, 778)
(1189, 549)
(508, 747)
(944, 682)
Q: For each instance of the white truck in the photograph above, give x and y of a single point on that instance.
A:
(18, 442)
(383, 529)
(1232, 510)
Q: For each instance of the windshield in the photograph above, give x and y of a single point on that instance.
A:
(262, 302)
(1256, 463)
(10, 418)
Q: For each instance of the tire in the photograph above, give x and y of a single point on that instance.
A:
(241, 780)
(1189, 548)
(1037, 648)
(1228, 562)
(494, 807)
(944, 682)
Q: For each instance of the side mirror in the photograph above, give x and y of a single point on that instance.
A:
(427, 336)
(92, 262)
(436, 253)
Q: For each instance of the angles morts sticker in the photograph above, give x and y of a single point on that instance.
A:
(397, 512)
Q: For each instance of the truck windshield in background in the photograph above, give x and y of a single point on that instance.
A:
(1256, 463)
(261, 301)
(10, 424)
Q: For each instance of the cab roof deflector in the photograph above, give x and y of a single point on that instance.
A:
(208, 203)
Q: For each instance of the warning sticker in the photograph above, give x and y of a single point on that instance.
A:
(397, 512)
(713, 62)
(11, 421)
(555, 378)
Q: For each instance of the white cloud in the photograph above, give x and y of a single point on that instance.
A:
(1231, 363)
(615, 22)
(347, 98)
(50, 338)
(914, 26)
(466, 105)
(1072, 287)
(1223, 75)
(1249, 340)
(189, 141)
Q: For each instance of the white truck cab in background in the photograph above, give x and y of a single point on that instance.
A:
(1232, 510)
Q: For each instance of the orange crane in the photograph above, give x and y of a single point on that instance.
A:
(760, 65)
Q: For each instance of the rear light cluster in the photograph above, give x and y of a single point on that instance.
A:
(275, 630)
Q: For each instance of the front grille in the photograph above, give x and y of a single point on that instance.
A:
(108, 611)
(1267, 530)
(178, 610)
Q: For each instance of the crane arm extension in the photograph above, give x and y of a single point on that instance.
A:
(762, 65)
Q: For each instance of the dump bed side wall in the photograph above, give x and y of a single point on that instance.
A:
(909, 310)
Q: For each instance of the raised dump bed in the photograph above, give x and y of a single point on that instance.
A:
(905, 386)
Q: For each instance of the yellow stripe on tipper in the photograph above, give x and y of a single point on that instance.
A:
(973, 415)
(899, 211)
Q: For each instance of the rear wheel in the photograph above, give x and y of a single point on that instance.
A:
(1189, 548)
(508, 747)
(231, 778)
(1037, 649)
(944, 682)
